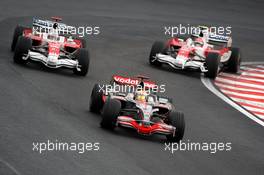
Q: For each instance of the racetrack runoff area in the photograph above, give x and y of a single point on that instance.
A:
(243, 91)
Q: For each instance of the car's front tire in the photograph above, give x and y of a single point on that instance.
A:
(157, 47)
(212, 62)
(110, 113)
(96, 100)
(17, 33)
(176, 119)
(23, 45)
(83, 58)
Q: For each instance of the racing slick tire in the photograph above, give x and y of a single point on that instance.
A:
(233, 64)
(17, 33)
(23, 45)
(176, 119)
(83, 41)
(110, 113)
(157, 47)
(96, 100)
(212, 62)
(83, 58)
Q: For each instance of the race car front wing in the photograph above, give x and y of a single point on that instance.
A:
(51, 62)
(179, 63)
(146, 127)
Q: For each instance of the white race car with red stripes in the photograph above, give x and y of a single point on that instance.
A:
(45, 43)
(206, 52)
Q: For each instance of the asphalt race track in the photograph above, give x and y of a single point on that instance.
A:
(38, 104)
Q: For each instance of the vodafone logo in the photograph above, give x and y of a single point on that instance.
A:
(125, 80)
(130, 81)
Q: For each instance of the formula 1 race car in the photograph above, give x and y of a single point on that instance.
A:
(51, 43)
(132, 103)
(205, 51)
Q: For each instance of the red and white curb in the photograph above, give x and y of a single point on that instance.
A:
(244, 91)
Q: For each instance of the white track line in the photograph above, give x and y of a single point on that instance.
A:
(233, 87)
(220, 79)
(260, 116)
(207, 82)
(260, 70)
(253, 109)
(238, 77)
(252, 74)
(239, 100)
(254, 97)
(10, 167)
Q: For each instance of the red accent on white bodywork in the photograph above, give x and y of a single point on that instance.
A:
(183, 45)
(40, 37)
(54, 48)
(185, 52)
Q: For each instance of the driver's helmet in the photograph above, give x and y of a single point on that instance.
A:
(54, 33)
(199, 42)
(141, 96)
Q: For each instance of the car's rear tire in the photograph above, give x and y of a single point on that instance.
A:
(176, 119)
(110, 113)
(23, 45)
(233, 64)
(157, 47)
(17, 33)
(212, 63)
(83, 58)
(96, 100)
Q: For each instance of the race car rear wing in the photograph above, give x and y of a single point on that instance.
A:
(215, 38)
(133, 81)
(218, 38)
(211, 37)
(46, 25)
